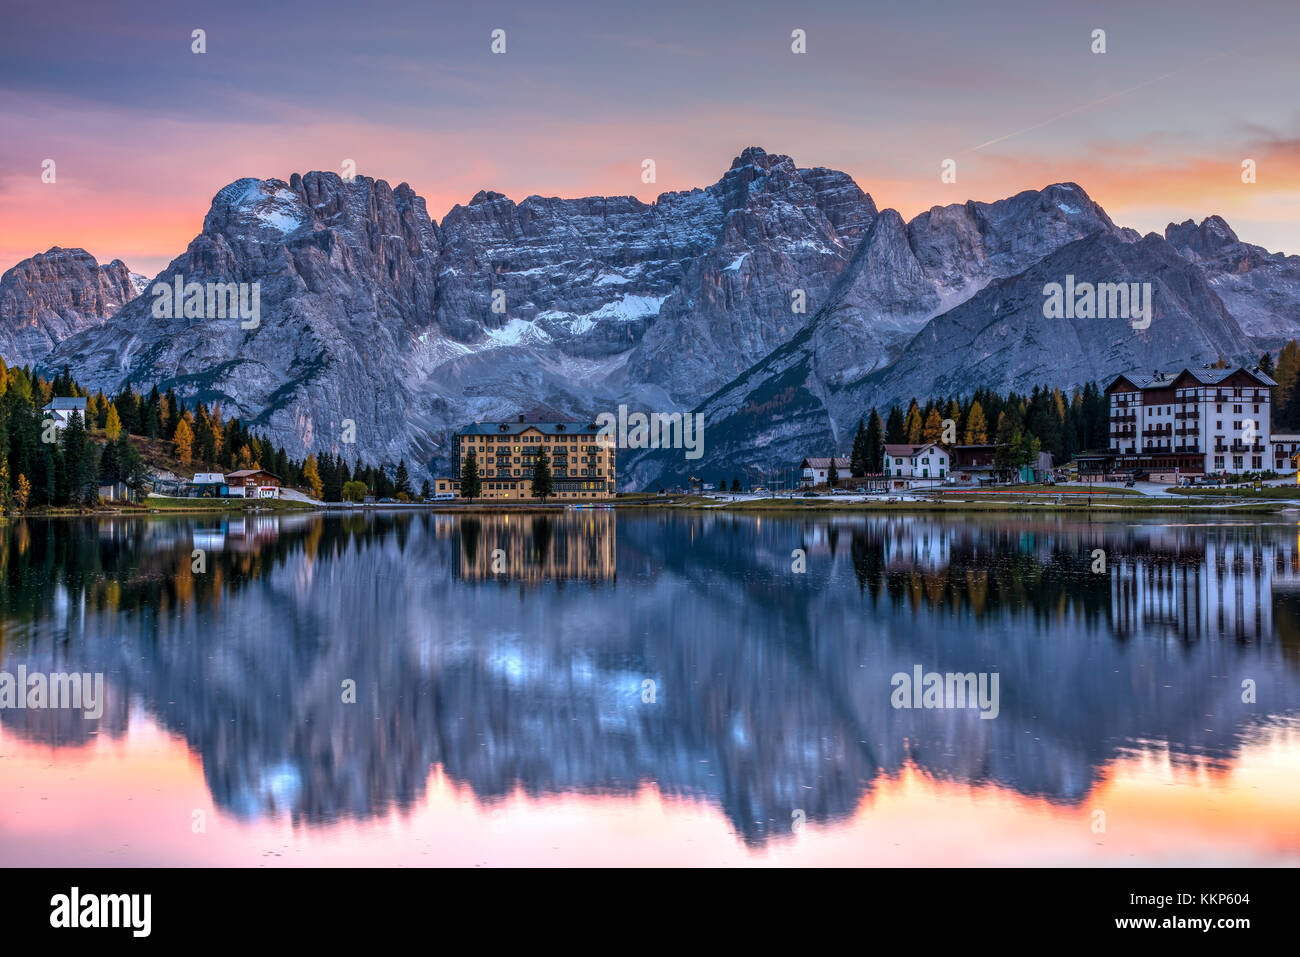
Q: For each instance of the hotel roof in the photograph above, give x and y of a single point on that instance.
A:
(1204, 375)
(517, 428)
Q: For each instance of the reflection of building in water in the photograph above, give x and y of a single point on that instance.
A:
(1226, 591)
(918, 544)
(531, 547)
(246, 534)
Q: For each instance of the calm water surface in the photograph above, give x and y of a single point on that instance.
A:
(504, 714)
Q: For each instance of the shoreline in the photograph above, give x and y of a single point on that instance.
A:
(768, 505)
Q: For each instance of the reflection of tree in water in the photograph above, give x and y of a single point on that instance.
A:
(982, 577)
(140, 564)
(470, 530)
(543, 528)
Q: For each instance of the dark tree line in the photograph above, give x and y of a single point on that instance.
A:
(1019, 425)
(41, 465)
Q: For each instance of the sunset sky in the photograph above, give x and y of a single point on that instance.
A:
(144, 132)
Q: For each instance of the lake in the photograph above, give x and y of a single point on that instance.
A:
(653, 688)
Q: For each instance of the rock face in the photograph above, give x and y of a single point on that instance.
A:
(346, 280)
(796, 401)
(376, 322)
(783, 237)
(1260, 289)
(372, 313)
(53, 295)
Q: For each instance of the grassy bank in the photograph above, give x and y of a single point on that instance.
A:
(1138, 507)
(220, 505)
(1285, 492)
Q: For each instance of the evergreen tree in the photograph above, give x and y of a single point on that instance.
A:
(80, 462)
(1288, 370)
(895, 427)
(403, 482)
(426, 493)
(832, 473)
(130, 467)
(333, 478)
(858, 457)
(153, 414)
(1007, 440)
(470, 484)
(543, 485)
(174, 410)
(875, 445)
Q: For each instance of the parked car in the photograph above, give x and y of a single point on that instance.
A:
(810, 494)
(841, 491)
(860, 490)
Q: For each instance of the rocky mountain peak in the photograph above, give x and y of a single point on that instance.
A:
(55, 294)
(1205, 241)
(759, 158)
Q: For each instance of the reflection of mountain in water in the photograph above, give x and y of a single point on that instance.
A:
(771, 688)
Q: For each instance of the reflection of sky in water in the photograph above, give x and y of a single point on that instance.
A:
(770, 690)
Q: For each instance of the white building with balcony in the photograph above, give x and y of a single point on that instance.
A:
(927, 461)
(1192, 422)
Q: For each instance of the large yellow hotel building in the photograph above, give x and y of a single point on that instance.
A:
(581, 466)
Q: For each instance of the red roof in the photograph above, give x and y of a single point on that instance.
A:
(907, 451)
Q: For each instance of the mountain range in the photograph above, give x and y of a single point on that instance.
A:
(780, 302)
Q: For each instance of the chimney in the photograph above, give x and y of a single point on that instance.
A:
(521, 417)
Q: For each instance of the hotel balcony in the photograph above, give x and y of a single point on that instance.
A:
(1238, 448)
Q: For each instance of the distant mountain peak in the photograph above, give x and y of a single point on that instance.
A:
(55, 294)
(759, 158)
(1201, 242)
